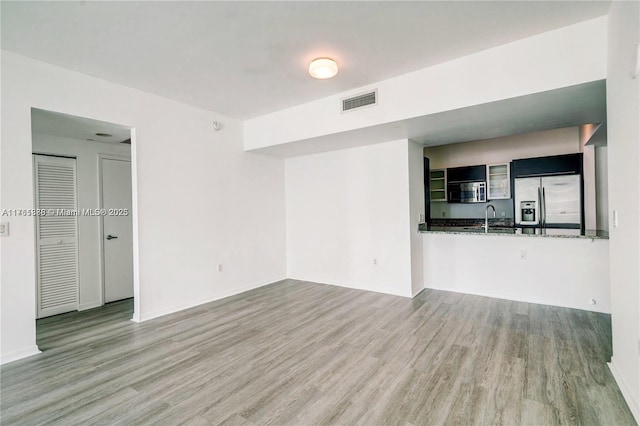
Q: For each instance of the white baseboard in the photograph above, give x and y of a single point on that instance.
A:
(513, 298)
(91, 305)
(19, 354)
(624, 389)
(416, 293)
(141, 317)
(354, 286)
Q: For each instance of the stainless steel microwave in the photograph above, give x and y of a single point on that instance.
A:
(467, 192)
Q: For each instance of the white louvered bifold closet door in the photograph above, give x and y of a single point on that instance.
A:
(56, 234)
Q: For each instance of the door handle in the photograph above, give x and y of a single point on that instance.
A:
(544, 206)
(111, 237)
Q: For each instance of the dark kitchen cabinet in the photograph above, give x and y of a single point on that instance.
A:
(557, 164)
(427, 190)
(469, 173)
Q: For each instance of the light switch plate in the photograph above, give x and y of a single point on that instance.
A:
(4, 229)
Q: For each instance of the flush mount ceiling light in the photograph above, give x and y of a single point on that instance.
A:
(323, 68)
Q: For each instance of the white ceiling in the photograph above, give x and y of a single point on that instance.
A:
(70, 126)
(245, 59)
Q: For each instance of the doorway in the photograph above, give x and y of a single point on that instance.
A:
(104, 257)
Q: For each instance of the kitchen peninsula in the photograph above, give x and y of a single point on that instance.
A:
(548, 268)
(514, 231)
(538, 247)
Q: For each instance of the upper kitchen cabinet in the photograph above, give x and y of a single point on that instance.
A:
(467, 174)
(437, 185)
(557, 164)
(498, 181)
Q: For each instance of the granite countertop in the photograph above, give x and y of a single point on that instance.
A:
(474, 229)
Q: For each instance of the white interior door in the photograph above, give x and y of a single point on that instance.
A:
(117, 229)
(56, 234)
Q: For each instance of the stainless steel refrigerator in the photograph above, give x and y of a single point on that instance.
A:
(549, 201)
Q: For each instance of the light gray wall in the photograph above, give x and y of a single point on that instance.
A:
(623, 133)
(416, 211)
(196, 194)
(349, 218)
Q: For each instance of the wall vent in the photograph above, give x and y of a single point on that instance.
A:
(360, 101)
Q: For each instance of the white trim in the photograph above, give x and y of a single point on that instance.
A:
(134, 222)
(416, 293)
(91, 305)
(624, 389)
(512, 298)
(19, 354)
(354, 287)
(177, 308)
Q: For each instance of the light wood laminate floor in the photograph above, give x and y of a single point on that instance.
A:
(304, 354)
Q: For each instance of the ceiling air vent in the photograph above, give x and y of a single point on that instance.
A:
(360, 101)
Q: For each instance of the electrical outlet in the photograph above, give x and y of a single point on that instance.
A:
(523, 254)
(219, 267)
(375, 261)
(503, 214)
(615, 218)
(593, 301)
(443, 214)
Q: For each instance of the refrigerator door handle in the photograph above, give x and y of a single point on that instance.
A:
(540, 209)
(540, 206)
(544, 209)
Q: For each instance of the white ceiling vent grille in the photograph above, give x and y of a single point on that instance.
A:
(360, 101)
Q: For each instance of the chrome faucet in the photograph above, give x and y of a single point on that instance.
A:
(486, 216)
